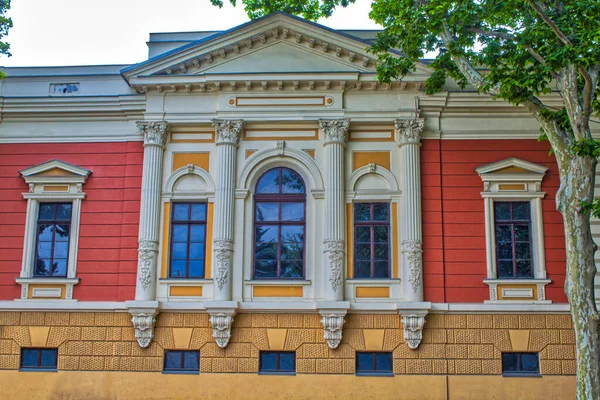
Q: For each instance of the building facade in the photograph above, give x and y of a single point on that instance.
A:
(249, 213)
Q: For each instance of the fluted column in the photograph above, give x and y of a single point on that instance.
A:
(155, 135)
(227, 138)
(409, 141)
(336, 134)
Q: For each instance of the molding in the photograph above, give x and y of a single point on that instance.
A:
(511, 162)
(372, 169)
(78, 174)
(278, 282)
(189, 169)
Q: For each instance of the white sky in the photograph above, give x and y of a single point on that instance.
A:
(84, 32)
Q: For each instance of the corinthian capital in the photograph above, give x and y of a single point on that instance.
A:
(336, 130)
(409, 131)
(228, 131)
(155, 132)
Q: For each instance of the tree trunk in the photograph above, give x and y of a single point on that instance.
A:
(577, 175)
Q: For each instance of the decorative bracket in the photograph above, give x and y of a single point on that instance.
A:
(413, 329)
(143, 317)
(221, 319)
(332, 318)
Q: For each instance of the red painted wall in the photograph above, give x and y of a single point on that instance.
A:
(107, 255)
(453, 217)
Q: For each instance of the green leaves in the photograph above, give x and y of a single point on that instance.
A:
(5, 25)
(586, 148)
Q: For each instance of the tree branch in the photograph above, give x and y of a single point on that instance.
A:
(540, 9)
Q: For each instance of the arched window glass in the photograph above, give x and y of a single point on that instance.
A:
(279, 225)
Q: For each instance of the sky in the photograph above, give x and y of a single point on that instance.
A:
(86, 32)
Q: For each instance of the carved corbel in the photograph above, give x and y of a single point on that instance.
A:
(143, 317)
(332, 319)
(413, 329)
(221, 320)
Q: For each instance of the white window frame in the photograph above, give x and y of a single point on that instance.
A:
(500, 181)
(43, 189)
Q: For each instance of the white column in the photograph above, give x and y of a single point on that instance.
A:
(155, 134)
(409, 141)
(336, 135)
(227, 138)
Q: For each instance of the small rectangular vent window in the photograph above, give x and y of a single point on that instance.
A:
(62, 89)
(37, 359)
(277, 362)
(182, 362)
(374, 363)
(520, 364)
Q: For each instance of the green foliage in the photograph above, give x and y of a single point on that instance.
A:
(308, 9)
(586, 148)
(5, 25)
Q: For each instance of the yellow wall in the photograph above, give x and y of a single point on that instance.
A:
(123, 385)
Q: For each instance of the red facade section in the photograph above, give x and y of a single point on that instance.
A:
(107, 257)
(453, 217)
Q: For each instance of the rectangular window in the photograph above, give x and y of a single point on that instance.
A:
(370, 363)
(39, 359)
(371, 240)
(520, 364)
(52, 242)
(182, 362)
(513, 239)
(188, 240)
(277, 362)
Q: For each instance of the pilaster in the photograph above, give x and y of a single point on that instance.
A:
(409, 141)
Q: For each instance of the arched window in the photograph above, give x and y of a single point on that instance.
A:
(279, 225)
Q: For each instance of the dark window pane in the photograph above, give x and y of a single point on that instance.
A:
(59, 267)
(381, 252)
(268, 361)
(267, 211)
(49, 358)
(291, 269)
(292, 251)
(362, 212)
(505, 251)
(363, 269)
(383, 362)
(381, 234)
(380, 212)
(530, 362)
(292, 233)
(501, 211)
(62, 233)
(29, 358)
(196, 268)
(46, 211)
(266, 251)
(291, 182)
(522, 233)
(364, 362)
(44, 249)
(521, 211)
(173, 360)
(178, 268)
(266, 233)
(191, 360)
(42, 267)
(196, 250)
(363, 234)
(63, 212)
(181, 212)
(265, 269)
(179, 251)
(505, 269)
(180, 233)
(45, 232)
(510, 362)
(292, 211)
(382, 269)
(269, 182)
(523, 251)
(503, 233)
(197, 233)
(524, 269)
(199, 212)
(362, 252)
(61, 250)
(287, 361)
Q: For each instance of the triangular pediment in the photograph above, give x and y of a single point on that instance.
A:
(277, 43)
(511, 166)
(54, 170)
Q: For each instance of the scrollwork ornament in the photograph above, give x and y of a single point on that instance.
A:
(413, 329)
(336, 130)
(144, 328)
(409, 131)
(147, 252)
(227, 131)
(221, 324)
(335, 255)
(415, 261)
(332, 329)
(154, 132)
(223, 250)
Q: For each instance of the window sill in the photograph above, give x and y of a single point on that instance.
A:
(520, 375)
(181, 372)
(44, 280)
(38, 369)
(184, 281)
(47, 288)
(378, 374)
(276, 373)
(518, 291)
(374, 281)
(276, 282)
